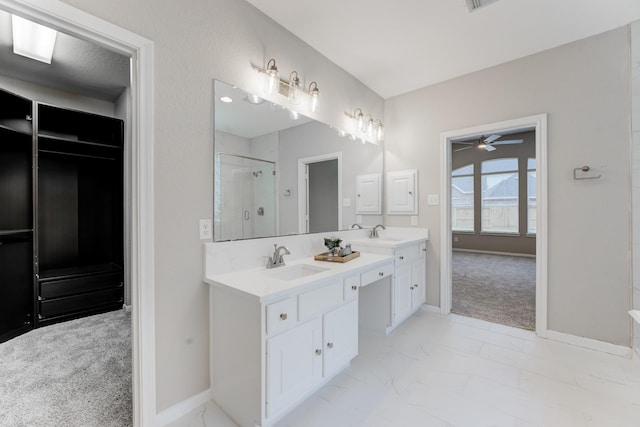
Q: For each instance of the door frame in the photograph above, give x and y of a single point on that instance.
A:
(138, 178)
(538, 123)
(303, 201)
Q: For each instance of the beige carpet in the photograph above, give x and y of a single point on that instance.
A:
(497, 288)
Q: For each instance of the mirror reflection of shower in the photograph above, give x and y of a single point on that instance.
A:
(245, 197)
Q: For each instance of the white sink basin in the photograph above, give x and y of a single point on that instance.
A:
(294, 272)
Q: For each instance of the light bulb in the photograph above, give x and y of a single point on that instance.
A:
(360, 121)
(294, 88)
(370, 127)
(315, 95)
(380, 132)
(272, 78)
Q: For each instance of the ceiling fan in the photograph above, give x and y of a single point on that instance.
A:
(488, 142)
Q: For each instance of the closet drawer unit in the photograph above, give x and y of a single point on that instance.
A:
(76, 285)
(76, 303)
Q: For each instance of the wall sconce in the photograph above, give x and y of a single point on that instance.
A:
(367, 127)
(315, 95)
(272, 78)
(295, 89)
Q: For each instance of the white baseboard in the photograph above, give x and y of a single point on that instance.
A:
(182, 408)
(126, 308)
(618, 350)
(430, 308)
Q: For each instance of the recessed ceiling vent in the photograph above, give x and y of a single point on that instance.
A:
(477, 4)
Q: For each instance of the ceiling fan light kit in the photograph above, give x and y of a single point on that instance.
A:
(488, 143)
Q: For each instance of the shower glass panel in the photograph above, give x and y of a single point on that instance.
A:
(245, 198)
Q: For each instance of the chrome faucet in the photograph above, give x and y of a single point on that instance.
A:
(356, 225)
(277, 260)
(374, 230)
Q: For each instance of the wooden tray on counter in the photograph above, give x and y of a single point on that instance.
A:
(326, 256)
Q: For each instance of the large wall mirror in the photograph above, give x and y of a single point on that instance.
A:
(277, 175)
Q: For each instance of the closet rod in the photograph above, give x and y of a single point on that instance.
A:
(76, 155)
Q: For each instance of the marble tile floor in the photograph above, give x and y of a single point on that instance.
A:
(442, 371)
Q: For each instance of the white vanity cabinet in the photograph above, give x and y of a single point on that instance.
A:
(409, 275)
(409, 292)
(275, 342)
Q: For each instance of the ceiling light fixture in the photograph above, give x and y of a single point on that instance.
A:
(295, 90)
(33, 40)
(226, 99)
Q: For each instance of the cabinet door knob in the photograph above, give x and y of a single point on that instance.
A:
(381, 273)
(283, 316)
(329, 345)
(411, 288)
(318, 352)
(401, 257)
(416, 285)
(354, 287)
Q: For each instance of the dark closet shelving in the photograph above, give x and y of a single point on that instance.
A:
(80, 214)
(61, 214)
(16, 216)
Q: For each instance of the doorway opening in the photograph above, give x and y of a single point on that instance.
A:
(485, 223)
(139, 224)
(320, 193)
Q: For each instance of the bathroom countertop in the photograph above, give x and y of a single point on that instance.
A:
(262, 284)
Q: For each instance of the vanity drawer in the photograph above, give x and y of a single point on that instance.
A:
(407, 254)
(376, 274)
(351, 285)
(281, 315)
(316, 302)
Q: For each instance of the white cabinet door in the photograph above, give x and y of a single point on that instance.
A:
(368, 194)
(402, 294)
(294, 365)
(340, 337)
(418, 283)
(402, 192)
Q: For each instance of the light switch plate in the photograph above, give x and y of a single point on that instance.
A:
(433, 199)
(206, 231)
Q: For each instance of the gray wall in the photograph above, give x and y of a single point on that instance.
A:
(195, 42)
(313, 139)
(584, 88)
(520, 244)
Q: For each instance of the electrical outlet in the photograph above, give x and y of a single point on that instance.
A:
(205, 229)
(414, 220)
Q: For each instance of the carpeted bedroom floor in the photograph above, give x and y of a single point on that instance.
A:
(72, 374)
(496, 288)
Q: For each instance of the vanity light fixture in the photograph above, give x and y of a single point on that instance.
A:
(370, 126)
(314, 92)
(295, 90)
(359, 117)
(380, 131)
(272, 78)
(366, 127)
(33, 40)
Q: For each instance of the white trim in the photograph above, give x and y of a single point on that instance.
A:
(539, 124)
(430, 308)
(303, 187)
(589, 343)
(183, 408)
(479, 251)
(70, 20)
